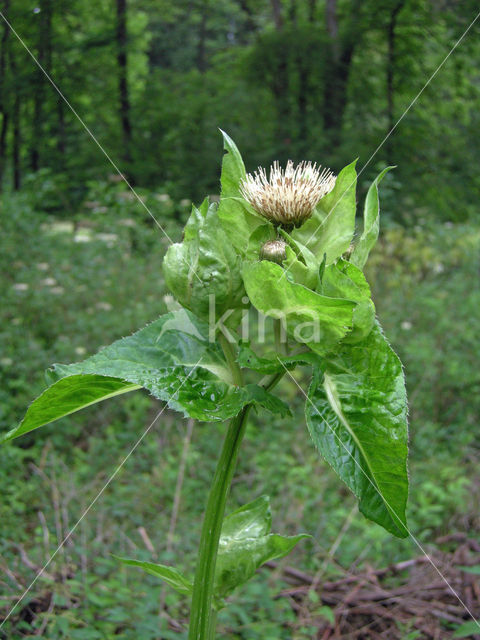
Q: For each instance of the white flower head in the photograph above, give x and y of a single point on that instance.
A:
(289, 196)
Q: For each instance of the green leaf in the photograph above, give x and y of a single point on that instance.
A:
(175, 339)
(258, 395)
(316, 320)
(247, 358)
(246, 543)
(237, 217)
(371, 223)
(468, 629)
(475, 569)
(67, 396)
(170, 575)
(204, 269)
(344, 280)
(171, 357)
(330, 229)
(357, 416)
(325, 612)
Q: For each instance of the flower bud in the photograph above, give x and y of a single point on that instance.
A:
(274, 251)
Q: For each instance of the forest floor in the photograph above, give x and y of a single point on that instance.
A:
(417, 595)
(81, 285)
(409, 599)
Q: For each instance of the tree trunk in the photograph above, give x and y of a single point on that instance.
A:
(337, 69)
(3, 101)
(44, 58)
(335, 96)
(303, 87)
(277, 14)
(280, 87)
(16, 127)
(390, 77)
(304, 71)
(280, 91)
(332, 25)
(61, 144)
(249, 15)
(292, 12)
(122, 61)
(202, 36)
(3, 144)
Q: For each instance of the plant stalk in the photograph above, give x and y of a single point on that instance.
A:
(202, 627)
(231, 359)
(277, 332)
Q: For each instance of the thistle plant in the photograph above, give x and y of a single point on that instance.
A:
(285, 247)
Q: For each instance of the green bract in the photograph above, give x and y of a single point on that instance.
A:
(301, 265)
(343, 279)
(371, 223)
(237, 216)
(246, 543)
(203, 272)
(330, 230)
(310, 318)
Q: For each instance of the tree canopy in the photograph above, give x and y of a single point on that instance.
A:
(304, 79)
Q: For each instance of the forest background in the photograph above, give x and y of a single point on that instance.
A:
(80, 265)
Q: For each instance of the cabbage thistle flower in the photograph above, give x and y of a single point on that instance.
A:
(289, 196)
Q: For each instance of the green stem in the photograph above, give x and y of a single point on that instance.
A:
(277, 332)
(213, 625)
(229, 354)
(201, 624)
(271, 381)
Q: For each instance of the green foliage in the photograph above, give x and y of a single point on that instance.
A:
(245, 545)
(301, 265)
(359, 388)
(274, 364)
(76, 272)
(474, 570)
(287, 88)
(176, 359)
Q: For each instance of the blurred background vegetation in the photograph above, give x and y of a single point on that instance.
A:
(80, 265)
